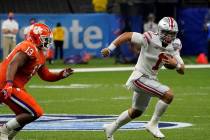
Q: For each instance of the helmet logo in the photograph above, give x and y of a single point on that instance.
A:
(37, 30)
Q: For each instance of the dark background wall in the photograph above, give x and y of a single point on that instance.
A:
(125, 7)
(46, 6)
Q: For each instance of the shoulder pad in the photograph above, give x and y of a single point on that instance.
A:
(149, 35)
(29, 49)
(177, 45)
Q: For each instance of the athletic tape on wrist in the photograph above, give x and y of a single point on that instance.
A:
(112, 47)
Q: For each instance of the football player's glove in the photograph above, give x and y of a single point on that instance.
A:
(105, 52)
(66, 72)
(7, 90)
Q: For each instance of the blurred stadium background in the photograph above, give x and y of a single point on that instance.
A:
(91, 25)
(80, 20)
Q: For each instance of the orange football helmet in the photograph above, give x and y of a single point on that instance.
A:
(40, 34)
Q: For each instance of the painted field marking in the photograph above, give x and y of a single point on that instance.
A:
(74, 86)
(84, 122)
(107, 69)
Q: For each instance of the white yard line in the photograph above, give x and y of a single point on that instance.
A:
(106, 69)
(75, 86)
(97, 69)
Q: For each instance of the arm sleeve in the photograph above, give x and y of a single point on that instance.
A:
(46, 75)
(179, 59)
(138, 39)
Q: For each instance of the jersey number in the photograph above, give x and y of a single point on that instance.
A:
(160, 57)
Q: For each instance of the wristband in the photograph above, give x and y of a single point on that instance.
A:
(111, 47)
(10, 82)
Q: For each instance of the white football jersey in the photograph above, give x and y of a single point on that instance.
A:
(149, 61)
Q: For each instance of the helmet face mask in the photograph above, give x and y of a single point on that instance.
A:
(45, 41)
(167, 29)
(167, 36)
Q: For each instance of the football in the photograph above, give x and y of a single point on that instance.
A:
(169, 66)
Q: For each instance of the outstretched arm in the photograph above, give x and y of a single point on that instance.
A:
(125, 37)
(46, 75)
(133, 37)
(116, 43)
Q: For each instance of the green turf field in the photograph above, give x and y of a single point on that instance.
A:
(108, 96)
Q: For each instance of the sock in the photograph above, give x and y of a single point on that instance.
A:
(12, 124)
(160, 108)
(123, 119)
(12, 134)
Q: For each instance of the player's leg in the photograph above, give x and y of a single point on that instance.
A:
(160, 109)
(161, 106)
(109, 129)
(26, 110)
(156, 89)
(139, 104)
(13, 126)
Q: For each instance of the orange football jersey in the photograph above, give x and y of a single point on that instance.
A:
(23, 74)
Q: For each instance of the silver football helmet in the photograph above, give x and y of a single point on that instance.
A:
(167, 29)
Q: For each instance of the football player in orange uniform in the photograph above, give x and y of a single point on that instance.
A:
(16, 70)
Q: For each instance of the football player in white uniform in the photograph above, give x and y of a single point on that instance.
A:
(157, 49)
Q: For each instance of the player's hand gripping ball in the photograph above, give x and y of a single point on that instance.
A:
(169, 61)
(7, 90)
